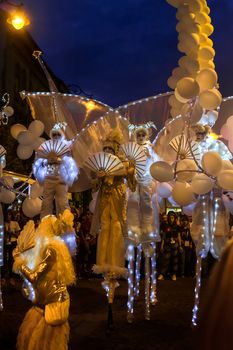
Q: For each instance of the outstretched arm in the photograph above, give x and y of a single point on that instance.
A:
(45, 265)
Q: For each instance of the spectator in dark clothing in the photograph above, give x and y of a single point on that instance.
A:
(170, 245)
(188, 249)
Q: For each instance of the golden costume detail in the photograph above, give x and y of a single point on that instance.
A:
(46, 270)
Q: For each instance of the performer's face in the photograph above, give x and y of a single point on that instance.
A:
(200, 136)
(56, 135)
(108, 150)
(141, 137)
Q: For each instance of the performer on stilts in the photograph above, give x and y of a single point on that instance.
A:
(143, 224)
(110, 216)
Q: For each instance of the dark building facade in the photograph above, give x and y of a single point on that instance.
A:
(19, 70)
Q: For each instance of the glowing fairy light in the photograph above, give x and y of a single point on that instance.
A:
(214, 221)
(147, 287)
(130, 303)
(137, 271)
(197, 291)
(153, 297)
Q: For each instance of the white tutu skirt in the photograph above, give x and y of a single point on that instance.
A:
(36, 334)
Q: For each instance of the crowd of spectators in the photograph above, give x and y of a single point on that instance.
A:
(175, 253)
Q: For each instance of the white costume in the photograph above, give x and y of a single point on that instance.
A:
(143, 227)
(56, 172)
(142, 215)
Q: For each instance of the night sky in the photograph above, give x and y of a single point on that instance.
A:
(122, 50)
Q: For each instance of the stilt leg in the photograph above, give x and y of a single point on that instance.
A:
(197, 291)
(147, 287)
(137, 271)
(130, 303)
(153, 289)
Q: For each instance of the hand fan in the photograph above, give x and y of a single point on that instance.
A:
(106, 162)
(135, 153)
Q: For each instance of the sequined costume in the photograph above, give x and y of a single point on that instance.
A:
(46, 270)
(111, 212)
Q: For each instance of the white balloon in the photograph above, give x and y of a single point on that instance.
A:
(31, 207)
(207, 28)
(225, 179)
(162, 171)
(172, 202)
(212, 117)
(201, 184)
(204, 119)
(187, 88)
(26, 138)
(7, 196)
(164, 189)
(188, 209)
(212, 163)
(207, 79)
(180, 98)
(16, 129)
(36, 190)
(9, 111)
(24, 152)
(206, 53)
(8, 180)
(190, 166)
(210, 99)
(182, 194)
(36, 127)
(38, 141)
(227, 165)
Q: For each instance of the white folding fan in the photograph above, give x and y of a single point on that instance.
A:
(26, 239)
(52, 148)
(135, 153)
(186, 149)
(107, 162)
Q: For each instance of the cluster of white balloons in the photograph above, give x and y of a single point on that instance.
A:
(188, 180)
(32, 204)
(195, 76)
(29, 139)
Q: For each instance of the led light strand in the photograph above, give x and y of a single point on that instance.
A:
(205, 229)
(130, 303)
(137, 271)
(147, 286)
(153, 292)
(214, 218)
(197, 291)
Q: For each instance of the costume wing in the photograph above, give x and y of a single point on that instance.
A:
(185, 148)
(104, 161)
(52, 147)
(135, 153)
(26, 239)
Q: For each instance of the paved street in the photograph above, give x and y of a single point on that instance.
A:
(169, 327)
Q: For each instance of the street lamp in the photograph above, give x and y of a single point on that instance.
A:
(18, 18)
